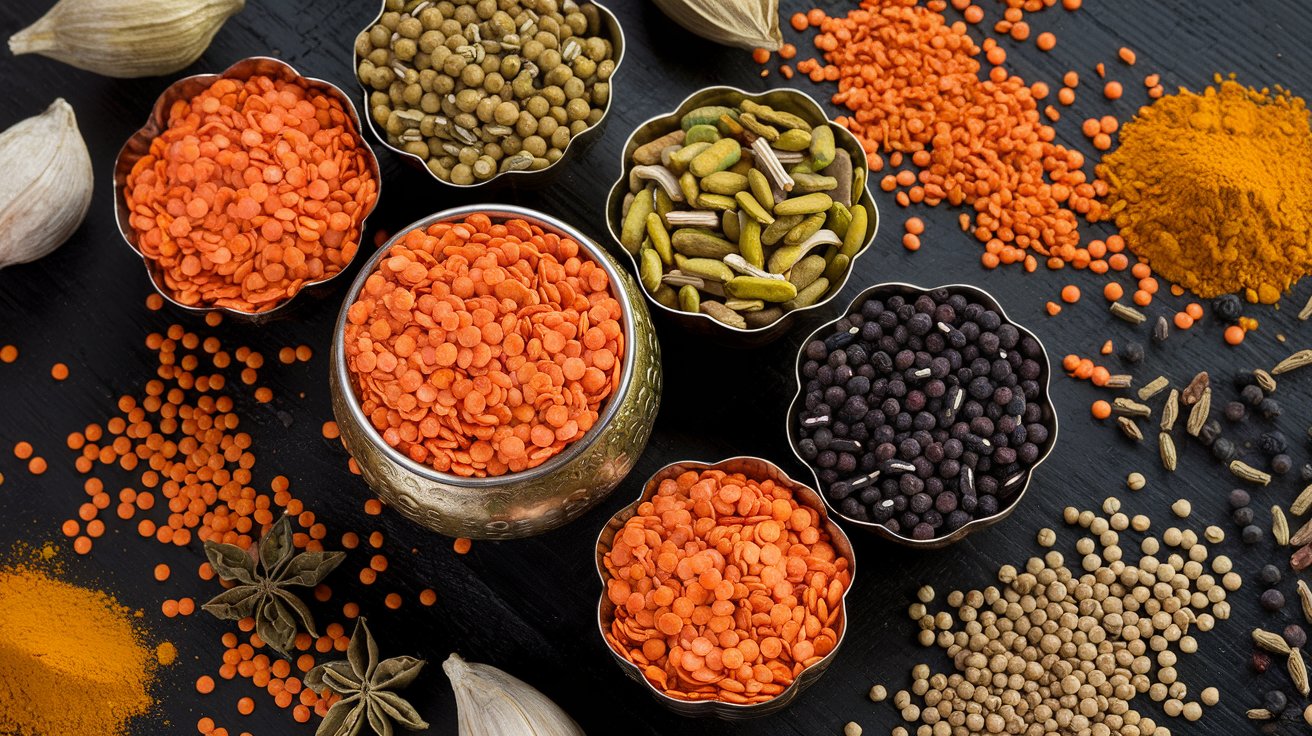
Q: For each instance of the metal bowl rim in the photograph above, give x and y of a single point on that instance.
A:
(617, 45)
(711, 706)
(497, 212)
(975, 524)
(620, 186)
(155, 124)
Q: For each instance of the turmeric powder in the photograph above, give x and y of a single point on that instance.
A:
(1214, 190)
(72, 663)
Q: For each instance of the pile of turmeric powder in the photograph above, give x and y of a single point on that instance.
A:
(1214, 189)
(72, 662)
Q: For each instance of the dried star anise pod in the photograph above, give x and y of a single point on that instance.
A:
(366, 686)
(262, 581)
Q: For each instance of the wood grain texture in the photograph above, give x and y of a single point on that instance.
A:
(530, 606)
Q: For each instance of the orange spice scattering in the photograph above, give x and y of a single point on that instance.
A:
(482, 349)
(8, 354)
(253, 190)
(988, 147)
(724, 588)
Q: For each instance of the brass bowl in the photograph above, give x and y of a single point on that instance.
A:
(528, 178)
(752, 467)
(1044, 400)
(186, 88)
(790, 100)
(538, 499)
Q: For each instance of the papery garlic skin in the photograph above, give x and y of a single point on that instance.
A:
(492, 703)
(45, 184)
(748, 24)
(126, 38)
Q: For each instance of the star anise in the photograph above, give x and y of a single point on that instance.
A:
(366, 686)
(262, 581)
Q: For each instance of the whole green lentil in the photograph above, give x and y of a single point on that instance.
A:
(477, 88)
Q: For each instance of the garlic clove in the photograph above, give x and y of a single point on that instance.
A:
(492, 703)
(141, 38)
(749, 24)
(46, 188)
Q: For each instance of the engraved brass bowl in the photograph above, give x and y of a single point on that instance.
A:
(758, 469)
(186, 88)
(1044, 400)
(789, 100)
(610, 29)
(533, 501)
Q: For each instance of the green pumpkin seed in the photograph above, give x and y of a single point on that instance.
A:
(702, 132)
(856, 232)
(650, 270)
(806, 271)
(779, 228)
(660, 238)
(724, 182)
(753, 208)
(822, 147)
(749, 243)
(697, 243)
(719, 156)
(794, 139)
(806, 204)
(751, 287)
(808, 296)
(634, 228)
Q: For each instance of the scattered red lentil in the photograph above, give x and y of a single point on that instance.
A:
(8, 354)
(1046, 41)
(1070, 293)
(427, 597)
(161, 572)
(1112, 90)
(59, 372)
(1101, 409)
(1234, 334)
(462, 545)
(1127, 55)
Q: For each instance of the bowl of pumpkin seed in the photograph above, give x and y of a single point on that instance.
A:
(483, 91)
(742, 212)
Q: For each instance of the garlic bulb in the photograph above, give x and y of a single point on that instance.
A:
(492, 703)
(747, 23)
(126, 38)
(46, 187)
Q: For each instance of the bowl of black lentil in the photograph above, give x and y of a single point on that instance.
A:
(922, 413)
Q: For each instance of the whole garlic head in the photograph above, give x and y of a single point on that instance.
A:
(45, 190)
(126, 38)
(492, 703)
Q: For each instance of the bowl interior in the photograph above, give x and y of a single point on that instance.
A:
(758, 469)
(498, 213)
(1008, 504)
(138, 146)
(786, 99)
(611, 29)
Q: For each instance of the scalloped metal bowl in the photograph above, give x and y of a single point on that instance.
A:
(532, 501)
(910, 291)
(791, 100)
(611, 29)
(753, 467)
(139, 145)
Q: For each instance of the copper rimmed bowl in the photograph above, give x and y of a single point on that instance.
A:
(138, 146)
(609, 28)
(533, 501)
(1007, 504)
(756, 468)
(785, 99)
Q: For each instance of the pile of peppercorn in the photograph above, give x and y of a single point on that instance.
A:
(922, 414)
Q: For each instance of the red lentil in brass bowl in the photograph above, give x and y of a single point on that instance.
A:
(245, 188)
(689, 567)
(495, 372)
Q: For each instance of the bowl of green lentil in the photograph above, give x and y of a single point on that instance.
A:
(742, 212)
(481, 91)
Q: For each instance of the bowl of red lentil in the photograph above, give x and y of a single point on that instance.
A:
(740, 627)
(494, 373)
(245, 189)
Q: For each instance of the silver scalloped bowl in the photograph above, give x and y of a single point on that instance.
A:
(786, 99)
(1049, 418)
(532, 501)
(186, 88)
(752, 467)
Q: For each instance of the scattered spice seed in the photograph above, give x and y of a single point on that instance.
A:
(1265, 380)
(1170, 411)
(1129, 314)
(1302, 503)
(1161, 330)
(1194, 391)
(462, 545)
(1305, 598)
(1131, 408)
(1244, 471)
(1199, 413)
(1130, 429)
(1298, 360)
(1298, 672)
(1135, 481)
(1153, 387)
(1279, 526)
(1101, 409)
(59, 372)
(1119, 381)
(9, 353)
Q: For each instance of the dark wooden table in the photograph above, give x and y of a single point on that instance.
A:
(530, 606)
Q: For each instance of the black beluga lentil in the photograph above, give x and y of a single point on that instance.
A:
(921, 414)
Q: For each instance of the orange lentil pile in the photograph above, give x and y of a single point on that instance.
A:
(724, 587)
(481, 348)
(253, 190)
(911, 81)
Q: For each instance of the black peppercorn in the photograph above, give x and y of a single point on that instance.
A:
(1295, 636)
(1305, 473)
(1252, 393)
(1243, 516)
(1272, 599)
(1224, 450)
(1275, 701)
(1272, 443)
(1227, 308)
(1270, 408)
(1235, 411)
(1161, 330)
(1210, 431)
(1281, 464)
(1239, 498)
(1260, 661)
(1132, 352)
(1269, 575)
(1251, 534)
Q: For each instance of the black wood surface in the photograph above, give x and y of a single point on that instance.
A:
(530, 606)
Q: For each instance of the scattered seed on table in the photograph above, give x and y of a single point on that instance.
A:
(1135, 481)
(1181, 508)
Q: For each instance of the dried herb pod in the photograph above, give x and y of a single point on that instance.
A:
(262, 581)
(367, 688)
